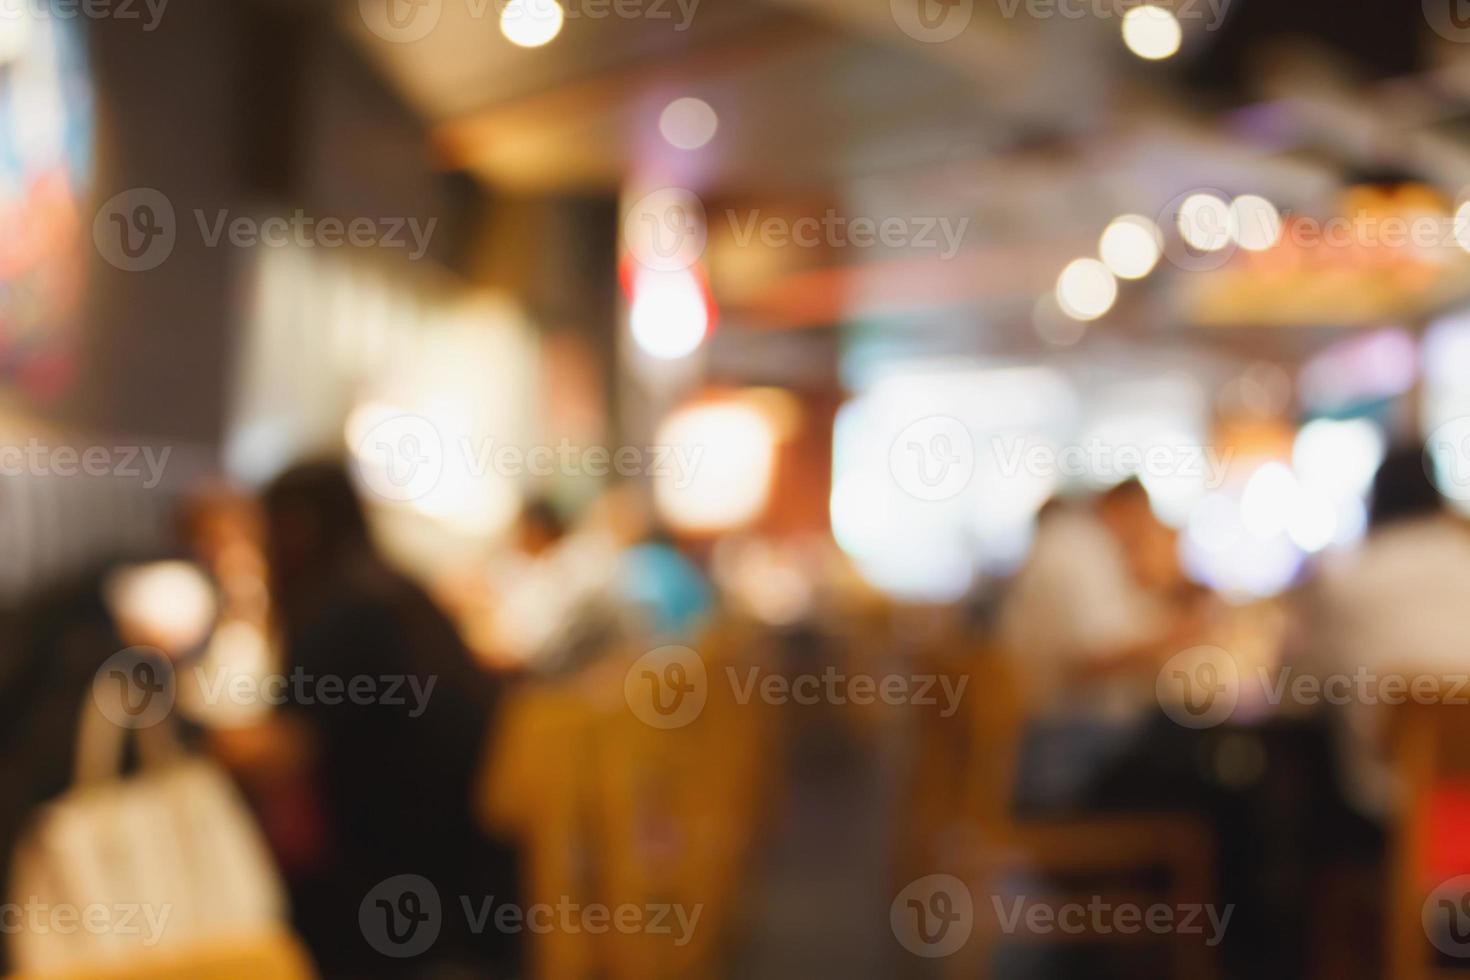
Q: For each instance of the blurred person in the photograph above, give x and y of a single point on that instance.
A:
(1399, 607)
(553, 596)
(1098, 607)
(1099, 604)
(671, 594)
(395, 774)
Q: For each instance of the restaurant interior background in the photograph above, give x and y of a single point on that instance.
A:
(820, 309)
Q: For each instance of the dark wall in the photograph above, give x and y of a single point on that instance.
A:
(258, 109)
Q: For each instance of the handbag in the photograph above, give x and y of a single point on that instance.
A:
(117, 867)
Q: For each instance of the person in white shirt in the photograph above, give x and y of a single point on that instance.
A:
(1098, 607)
(1399, 608)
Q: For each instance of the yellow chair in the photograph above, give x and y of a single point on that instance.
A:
(987, 842)
(272, 957)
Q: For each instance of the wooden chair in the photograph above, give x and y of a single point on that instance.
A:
(613, 811)
(987, 842)
(271, 957)
(1431, 749)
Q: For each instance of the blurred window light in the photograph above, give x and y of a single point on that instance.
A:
(1130, 246)
(1255, 222)
(1269, 498)
(913, 544)
(1219, 550)
(669, 314)
(1086, 289)
(1205, 222)
(1312, 522)
(733, 449)
(531, 23)
(688, 123)
(1338, 457)
(1152, 32)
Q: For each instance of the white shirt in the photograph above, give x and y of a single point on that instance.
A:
(1400, 607)
(1076, 602)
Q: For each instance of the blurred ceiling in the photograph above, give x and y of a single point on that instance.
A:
(1038, 129)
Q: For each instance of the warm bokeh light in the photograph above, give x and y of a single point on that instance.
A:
(1205, 222)
(531, 23)
(688, 123)
(1255, 222)
(1086, 289)
(733, 449)
(669, 315)
(1130, 246)
(1152, 32)
(167, 604)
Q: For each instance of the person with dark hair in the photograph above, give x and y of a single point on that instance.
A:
(395, 715)
(1402, 488)
(1400, 607)
(1088, 621)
